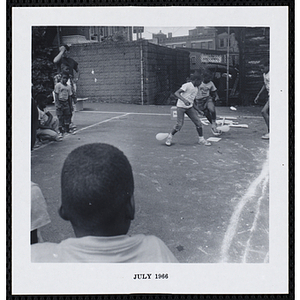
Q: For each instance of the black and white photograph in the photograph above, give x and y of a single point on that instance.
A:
(150, 150)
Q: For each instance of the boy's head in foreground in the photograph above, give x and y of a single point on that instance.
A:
(97, 191)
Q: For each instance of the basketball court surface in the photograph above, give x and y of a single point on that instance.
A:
(209, 204)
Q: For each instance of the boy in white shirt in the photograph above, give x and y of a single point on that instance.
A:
(47, 124)
(185, 105)
(97, 189)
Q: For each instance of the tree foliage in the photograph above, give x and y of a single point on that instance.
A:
(42, 65)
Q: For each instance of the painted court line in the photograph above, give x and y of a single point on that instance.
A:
(147, 114)
(250, 193)
(253, 228)
(84, 128)
(101, 122)
(118, 112)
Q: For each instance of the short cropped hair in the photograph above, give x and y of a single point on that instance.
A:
(96, 183)
(40, 97)
(207, 74)
(65, 73)
(195, 76)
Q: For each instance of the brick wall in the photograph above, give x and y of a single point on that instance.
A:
(112, 72)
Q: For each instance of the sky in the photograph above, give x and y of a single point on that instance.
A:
(176, 31)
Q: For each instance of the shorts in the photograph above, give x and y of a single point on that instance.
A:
(63, 108)
(202, 103)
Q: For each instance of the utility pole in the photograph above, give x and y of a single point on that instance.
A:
(227, 77)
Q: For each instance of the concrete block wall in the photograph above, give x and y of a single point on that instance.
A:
(112, 72)
(165, 71)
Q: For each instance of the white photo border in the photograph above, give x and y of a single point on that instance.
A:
(33, 278)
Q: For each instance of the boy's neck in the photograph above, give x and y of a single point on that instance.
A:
(105, 232)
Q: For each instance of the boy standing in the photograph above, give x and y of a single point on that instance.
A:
(205, 101)
(266, 86)
(97, 189)
(186, 96)
(63, 103)
(65, 63)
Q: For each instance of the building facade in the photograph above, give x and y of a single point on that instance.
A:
(199, 38)
(89, 34)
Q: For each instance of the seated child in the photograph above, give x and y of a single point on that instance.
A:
(97, 189)
(39, 213)
(48, 124)
(205, 101)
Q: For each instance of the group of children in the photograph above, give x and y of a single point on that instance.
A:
(196, 97)
(97, 187)
(49, 127)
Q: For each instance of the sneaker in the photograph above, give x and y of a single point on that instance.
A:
(216, 131)
(59, 137)
(204, 142)
(72, 126)
(71, 131)
(266, 136)
(37, 145)
(169, 140)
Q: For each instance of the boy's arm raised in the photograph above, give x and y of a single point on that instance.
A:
(58, 57)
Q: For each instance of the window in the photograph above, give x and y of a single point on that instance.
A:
(193, 60)
(221, 43)
(210, 45)
(204, 45)
(193, 45)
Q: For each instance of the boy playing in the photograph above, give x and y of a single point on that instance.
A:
(47, 124)
(63, 103)
(205, 101)
(186, 96)
(266, 86)
(97, 189)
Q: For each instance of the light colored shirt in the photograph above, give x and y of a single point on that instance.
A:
(267, 81)
(39, 213)
(189, 93)
(43, 118)
(137, 248)
(63, 91)
(204, 89)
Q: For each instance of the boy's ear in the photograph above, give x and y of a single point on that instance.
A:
(63, 214)
(131, 208)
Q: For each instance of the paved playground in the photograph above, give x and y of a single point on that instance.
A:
(208, 204)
